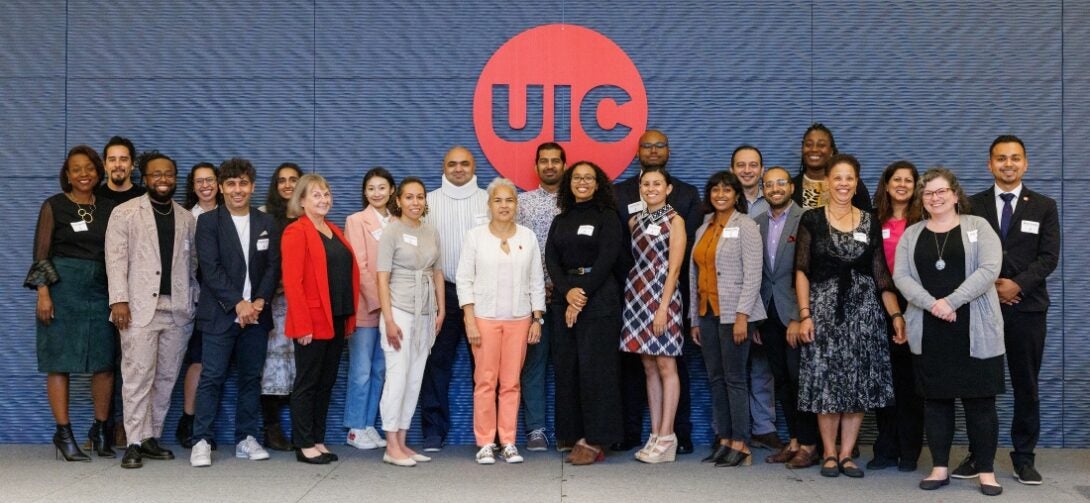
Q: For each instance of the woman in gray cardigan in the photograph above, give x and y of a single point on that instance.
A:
(946, 267)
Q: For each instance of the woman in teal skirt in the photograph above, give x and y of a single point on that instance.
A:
(74, 333)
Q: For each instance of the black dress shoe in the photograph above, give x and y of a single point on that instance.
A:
(132, 458)
(626, 445)
(151, 449)
(966, 470)
(931, 485)
(989, 490)
(906, 465)
(684, 445)
(320, 459)
(881, 463)
(769, 441)
(717, 455)
(1027, 475)
(99, 442)
(735, 458)
(184, 433)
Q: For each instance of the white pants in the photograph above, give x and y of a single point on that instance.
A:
(404, 369)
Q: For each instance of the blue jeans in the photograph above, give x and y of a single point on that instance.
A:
(533, 378)
(248, 346)
(366, 375)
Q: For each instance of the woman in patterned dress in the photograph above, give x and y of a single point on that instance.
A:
(658, 244)
(279, 374)
(842, 282)
(725, 294)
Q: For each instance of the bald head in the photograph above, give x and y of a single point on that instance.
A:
(459, 166)
(654, 149)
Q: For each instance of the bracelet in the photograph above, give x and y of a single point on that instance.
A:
(804, 318)
(898, 314)
(803, 308)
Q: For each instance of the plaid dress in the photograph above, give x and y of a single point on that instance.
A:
(644, 287)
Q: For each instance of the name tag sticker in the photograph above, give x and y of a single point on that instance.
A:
(1030, 227)
(886, 233)
(79, 226)
(185, 245)
(972, 235)
(636, 207)
(585, 230)
(653, 230)
(409, 239)
(262, 244)
(860, 236)
(377, 234)
(730, 232)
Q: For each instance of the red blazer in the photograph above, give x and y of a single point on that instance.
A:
(306, 282)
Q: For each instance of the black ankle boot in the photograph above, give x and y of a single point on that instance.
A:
(65, 441)
(99, 442)
(184, 433)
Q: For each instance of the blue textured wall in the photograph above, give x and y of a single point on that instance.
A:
(339, 86)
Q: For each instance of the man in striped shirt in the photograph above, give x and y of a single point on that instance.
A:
(454, 208)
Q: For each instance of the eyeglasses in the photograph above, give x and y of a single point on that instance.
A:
(660, 145)
(928, 194)
(583, 179)
(204, 181)
(160, 176)
(782, 182)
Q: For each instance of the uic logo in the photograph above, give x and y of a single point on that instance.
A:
(562, 83)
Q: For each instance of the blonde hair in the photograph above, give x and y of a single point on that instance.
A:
(295, 206)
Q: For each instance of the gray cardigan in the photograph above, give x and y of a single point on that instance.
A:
(983, 260)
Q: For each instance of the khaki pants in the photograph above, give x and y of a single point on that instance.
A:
(150, 359)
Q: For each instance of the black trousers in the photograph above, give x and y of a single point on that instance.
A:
(981, 424)
(315, 373)
(586, 360)
(900, 426)
(784, 362)
(1024, 336)
(435, 388)
(634, 397)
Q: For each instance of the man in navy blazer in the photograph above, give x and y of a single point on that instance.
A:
(1028, 224)
(238, 249)
(779, 333)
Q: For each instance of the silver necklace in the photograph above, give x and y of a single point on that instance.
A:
(170, 209)
(940, 264)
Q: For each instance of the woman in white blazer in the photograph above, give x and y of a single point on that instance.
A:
(501, 287)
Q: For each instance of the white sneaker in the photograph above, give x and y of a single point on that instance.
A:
(361, 440)
(485, 455)
(510, 454)
(201, 454)
(248, 448)
(372, 434)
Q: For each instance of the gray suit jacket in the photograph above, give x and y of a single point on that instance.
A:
(737, 270)
(779, 283)
(983, 260)
(133, 265)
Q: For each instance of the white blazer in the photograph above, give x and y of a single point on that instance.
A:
(478, 274)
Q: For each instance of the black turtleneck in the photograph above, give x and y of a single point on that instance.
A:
(164, 226)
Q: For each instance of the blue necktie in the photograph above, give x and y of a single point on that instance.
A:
(1005, 219)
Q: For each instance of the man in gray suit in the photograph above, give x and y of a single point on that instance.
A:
(780, 331)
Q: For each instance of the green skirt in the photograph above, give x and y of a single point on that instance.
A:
(80, 339)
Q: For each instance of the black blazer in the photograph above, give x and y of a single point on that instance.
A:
(860, 200)
(223, 267)
(1028, 258)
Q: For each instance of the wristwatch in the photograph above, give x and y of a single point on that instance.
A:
(540, 321)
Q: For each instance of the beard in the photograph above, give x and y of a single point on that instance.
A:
(118, 178)
(164, 198)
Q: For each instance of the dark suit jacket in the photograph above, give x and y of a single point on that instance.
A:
(1028, 258)
(223, 267)
(860, 200)
(779, 282)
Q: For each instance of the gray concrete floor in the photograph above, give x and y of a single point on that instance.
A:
(30, 473)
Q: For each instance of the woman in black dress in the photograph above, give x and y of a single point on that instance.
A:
(74, 333)
(946, 268)
(583, 246)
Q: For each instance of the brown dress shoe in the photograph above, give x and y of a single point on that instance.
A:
(784, 455)
(802, 459)
(586, 454)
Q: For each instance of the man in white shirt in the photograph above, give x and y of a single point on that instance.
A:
(454, 208)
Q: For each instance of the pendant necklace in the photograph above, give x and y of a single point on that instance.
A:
(940, 264)
(87, 215)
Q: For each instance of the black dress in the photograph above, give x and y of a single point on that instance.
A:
(944, 368)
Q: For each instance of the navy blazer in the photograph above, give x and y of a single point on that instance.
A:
(223, 268)
(1028, 258)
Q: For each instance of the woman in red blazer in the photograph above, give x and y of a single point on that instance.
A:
(317, 261)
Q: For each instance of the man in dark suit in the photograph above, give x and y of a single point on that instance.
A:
(654, 150)
(239, 253)
(780, 331)
(1029, 226)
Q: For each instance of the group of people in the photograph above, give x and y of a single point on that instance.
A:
(795, 288)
